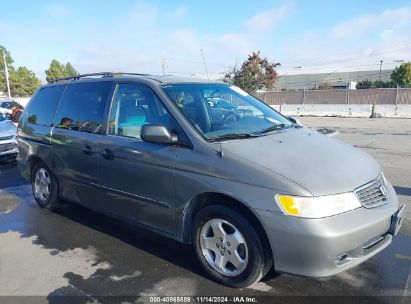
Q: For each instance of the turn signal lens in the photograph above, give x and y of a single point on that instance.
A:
(318, 206)
(288, 204)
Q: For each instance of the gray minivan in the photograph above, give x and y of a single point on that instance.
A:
(206, 163)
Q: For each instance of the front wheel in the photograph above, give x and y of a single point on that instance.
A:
(228, 247)
(45, 187)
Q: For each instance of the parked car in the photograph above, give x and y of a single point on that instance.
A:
(6, 106)
(251, 194)
(8, 144)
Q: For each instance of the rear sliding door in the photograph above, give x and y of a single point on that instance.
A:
(75, 139)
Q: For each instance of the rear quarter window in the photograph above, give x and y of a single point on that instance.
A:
(42, 107)
(82, 107)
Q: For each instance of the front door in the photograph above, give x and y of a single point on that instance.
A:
(138, 177)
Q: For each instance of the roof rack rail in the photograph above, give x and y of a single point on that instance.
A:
(102, 74)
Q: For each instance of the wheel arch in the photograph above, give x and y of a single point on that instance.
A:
(32, 162)
(203, 200)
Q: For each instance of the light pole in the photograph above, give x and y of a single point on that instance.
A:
(7, 74)
(380, 68)
(163, 65)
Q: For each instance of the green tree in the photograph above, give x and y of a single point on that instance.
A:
(9, 60)
(379, 84)
(56, 70)
(324, 86)
(402, 74)
(70, 70)
(364, 84)
(255, 73)
(23, 82)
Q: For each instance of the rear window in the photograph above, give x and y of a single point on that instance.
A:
(43, 105)
(82, 107)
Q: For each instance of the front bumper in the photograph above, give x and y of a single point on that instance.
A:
(8, 150)
(324, 247)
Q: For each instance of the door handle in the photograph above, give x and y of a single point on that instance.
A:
(107, 154)
(88, 150)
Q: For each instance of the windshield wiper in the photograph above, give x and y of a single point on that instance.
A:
(233, 136)
(275, 127)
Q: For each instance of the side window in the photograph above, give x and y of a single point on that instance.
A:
(82, 107)
(42, 107)
(134, 106)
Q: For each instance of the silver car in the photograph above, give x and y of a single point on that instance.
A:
(251, 189)
(6, 106)
(8, 143)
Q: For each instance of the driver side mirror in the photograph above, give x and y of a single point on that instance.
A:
(158, 134)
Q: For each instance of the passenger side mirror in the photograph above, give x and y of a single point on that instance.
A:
(158, 134)
(295, 120)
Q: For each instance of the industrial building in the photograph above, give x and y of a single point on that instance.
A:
(337, 80)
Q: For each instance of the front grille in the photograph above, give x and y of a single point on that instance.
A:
(7, 147)
(373, 194)
(6, 138)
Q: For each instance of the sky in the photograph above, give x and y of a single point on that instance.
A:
(142, 36)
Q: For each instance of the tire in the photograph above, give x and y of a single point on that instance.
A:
(45, 187)
(240, 244)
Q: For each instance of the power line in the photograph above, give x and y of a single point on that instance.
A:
(353, 57)
(360, 55)
(196, 62)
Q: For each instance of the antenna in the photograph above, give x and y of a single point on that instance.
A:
(205, 67)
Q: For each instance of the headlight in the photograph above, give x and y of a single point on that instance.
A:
(318, 207)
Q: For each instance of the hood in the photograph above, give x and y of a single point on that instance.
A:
(7, 128)
(320, 164)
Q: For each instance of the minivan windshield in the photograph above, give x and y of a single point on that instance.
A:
(222, 111)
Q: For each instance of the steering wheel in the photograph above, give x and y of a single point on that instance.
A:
(231, 118)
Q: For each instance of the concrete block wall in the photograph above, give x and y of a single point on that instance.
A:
(344, 110)
(393, 111)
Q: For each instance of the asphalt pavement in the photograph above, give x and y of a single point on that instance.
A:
(78, 252)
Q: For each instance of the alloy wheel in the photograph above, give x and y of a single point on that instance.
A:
(224, 247)
(42, 184)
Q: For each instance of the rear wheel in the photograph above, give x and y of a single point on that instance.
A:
(228, 247)
(45, 187)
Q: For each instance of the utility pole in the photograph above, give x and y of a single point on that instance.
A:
(7, 74)
(205, 67)
(380, 68)
(396, 95)
(164, 65)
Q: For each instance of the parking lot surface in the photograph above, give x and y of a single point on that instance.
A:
(78, 252)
